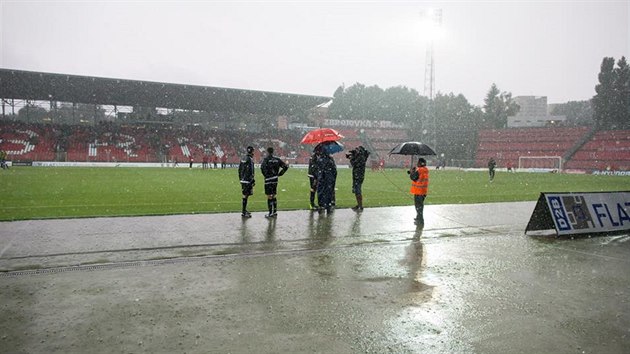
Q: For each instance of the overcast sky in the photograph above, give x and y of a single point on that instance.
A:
(543, 48)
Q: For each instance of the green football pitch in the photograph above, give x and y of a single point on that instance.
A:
(60, 192)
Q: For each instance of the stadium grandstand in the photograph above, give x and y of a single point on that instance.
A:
(534, 139)
(555, 148)
(144, 122)
(68, 118)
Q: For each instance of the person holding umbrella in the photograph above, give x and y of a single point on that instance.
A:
(322, 169)
(419, 175)
(326, 180)
(419, 188)
(321, 135)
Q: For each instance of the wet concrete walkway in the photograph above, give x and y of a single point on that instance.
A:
(469, 281)
(54, 243)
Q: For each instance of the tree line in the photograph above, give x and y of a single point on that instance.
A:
(451, 123)
(611, 104)
(448, 122)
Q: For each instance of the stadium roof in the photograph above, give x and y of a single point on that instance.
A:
(18, 84)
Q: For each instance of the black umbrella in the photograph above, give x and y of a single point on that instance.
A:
(412, 148)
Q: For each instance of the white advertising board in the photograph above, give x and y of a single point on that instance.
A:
(580, 213)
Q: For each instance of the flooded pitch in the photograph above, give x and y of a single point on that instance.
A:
(469, 281)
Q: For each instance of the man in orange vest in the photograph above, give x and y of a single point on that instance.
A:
(419, 187)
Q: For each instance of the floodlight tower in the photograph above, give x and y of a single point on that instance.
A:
(433, 20)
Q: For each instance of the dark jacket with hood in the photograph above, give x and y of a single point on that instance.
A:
(358, 160)
(246, 169)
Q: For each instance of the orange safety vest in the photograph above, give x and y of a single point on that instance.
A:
(421, 186)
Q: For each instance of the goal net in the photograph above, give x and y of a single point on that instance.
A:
(540, 162)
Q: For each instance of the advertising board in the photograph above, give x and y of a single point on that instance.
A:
(582, 213)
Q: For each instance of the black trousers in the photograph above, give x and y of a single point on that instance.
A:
(419, 203)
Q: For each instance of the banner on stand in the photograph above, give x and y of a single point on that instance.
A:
(581, 213)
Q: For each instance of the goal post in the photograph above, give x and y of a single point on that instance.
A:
(540, 162)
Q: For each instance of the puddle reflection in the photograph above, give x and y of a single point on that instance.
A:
(270, 235)
(320, 230)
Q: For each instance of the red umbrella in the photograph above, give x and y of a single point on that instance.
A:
(320, 135)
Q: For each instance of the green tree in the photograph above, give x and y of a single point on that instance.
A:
(32, 113)
(361, 101)
(497, 107)
(338, 109)
(456, 123)
(348, 104)
(397, 104)
(402, 105)
(621, 99)
(145, 114)
(449, 121)
(603, 100)
(578, 113)
(77, 113)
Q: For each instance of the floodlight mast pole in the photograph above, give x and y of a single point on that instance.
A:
(434, 17)
(429, 72)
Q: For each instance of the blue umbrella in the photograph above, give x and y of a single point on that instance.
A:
(331, 147)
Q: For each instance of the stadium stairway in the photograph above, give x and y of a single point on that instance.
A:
(606, 150)
(579, 144)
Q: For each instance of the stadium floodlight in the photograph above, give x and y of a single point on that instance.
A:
(431, 20)
(431, 24)
(431, 28)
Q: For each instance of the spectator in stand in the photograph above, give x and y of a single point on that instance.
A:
(3, 160)
(491, 166)
(246, 175)
(215, 160)
(374, 164)
(223, 161)
(204, 162)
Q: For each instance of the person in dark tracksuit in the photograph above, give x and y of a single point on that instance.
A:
(272, 167)
(246, 176)
(312, 177)
(326, 179)
(492, 164)
(358, 158)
